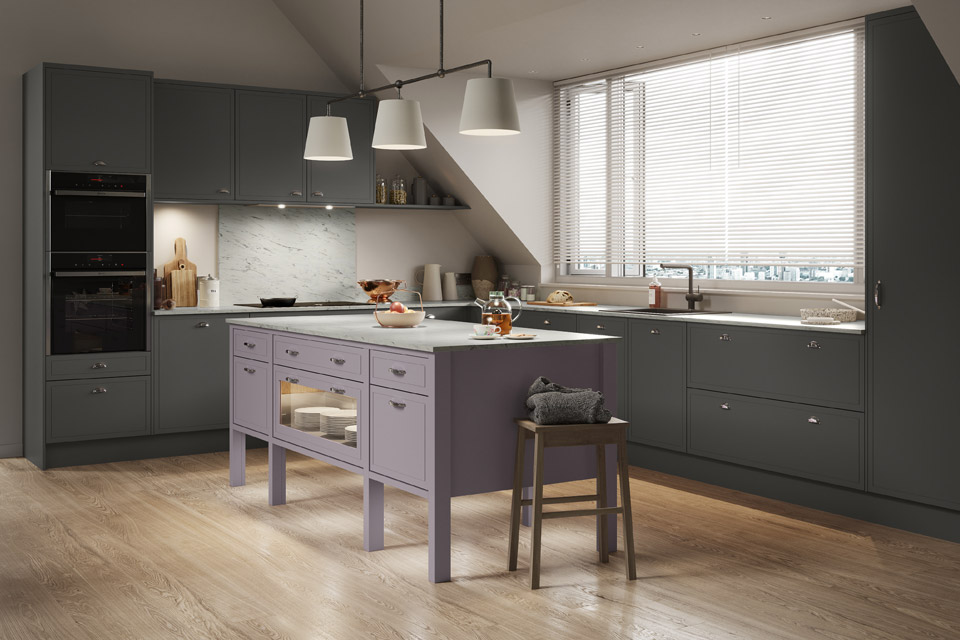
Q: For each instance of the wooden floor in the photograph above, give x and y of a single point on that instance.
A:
(166, 549)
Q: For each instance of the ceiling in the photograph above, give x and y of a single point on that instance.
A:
(549, 39)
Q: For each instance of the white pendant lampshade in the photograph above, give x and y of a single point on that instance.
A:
(399, 125)
(489, 108)
(328, 139)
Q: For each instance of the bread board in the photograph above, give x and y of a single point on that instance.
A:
(541, 303)
(181, 276)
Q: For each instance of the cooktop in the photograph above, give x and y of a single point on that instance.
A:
(325, 303)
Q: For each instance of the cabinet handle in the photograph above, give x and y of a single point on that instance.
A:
(813, 420)
(876, 294)
(547, 322)
(338, 361)
(99, 163)
(397, 405)
(397, 372)
(338, 391)
(724, 337)
(654, 332)
(317, 194)
(296, 193)
(431, 316)
(99, 390)
(292, 353)
(813, 344)
(725, 406)
(601, 327)
(223, 190)
(203, 325)
(249, 370)
(250, 345)
(99, 365)
(293, 380)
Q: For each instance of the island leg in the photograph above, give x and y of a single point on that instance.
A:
(372, 515)
(277, 475)
(238, 458)
(439, 547)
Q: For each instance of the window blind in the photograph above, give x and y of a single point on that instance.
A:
(748, 156)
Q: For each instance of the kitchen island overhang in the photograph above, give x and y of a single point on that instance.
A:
(434, 409)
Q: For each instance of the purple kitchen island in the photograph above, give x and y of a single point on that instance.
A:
(427, 410)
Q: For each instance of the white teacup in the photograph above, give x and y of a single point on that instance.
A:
(485, 329)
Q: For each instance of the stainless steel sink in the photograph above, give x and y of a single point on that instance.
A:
(666, 312)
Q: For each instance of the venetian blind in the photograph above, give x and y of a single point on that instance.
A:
(752, 155)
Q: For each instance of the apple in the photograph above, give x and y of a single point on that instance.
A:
(398, 307)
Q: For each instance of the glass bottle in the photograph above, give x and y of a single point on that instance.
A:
(381, 190)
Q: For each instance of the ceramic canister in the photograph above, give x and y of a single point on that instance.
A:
(429, 277)
(449, 285)
(208, 291)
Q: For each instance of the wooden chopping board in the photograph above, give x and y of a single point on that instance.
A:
(181, 276)
(563, 304)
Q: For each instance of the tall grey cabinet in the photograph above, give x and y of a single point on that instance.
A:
(913, 222)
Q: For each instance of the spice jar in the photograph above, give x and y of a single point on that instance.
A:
(381, 190)
(398, 191)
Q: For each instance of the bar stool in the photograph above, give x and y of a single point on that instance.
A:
(571, 435)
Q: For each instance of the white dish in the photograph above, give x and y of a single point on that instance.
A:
(476, 337)
(520, 336)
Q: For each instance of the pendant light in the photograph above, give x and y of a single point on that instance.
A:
(399, 125)
(328, 138)
(489, 108)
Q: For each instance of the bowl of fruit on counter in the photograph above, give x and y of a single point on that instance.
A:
(398, 316)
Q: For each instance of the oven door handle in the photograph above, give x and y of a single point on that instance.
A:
(99, 194)
(87, 274)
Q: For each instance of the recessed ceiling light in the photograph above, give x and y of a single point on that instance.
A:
(281, 206)
(639, 46)
(765, 18)
(694, 34)
(584, 59)
(533, 71)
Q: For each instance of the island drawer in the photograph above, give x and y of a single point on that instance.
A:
(398, 435)
(322, 357)
(98, 408)
(407, 373)
(97, 365)
(801, 366)
(795, 439)
(251, 344)
(252, 384)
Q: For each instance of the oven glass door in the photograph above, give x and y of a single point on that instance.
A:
(98, 223)
(98, 313)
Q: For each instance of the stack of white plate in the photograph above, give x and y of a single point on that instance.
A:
(310, 418)
(338, 420)
(350, 434)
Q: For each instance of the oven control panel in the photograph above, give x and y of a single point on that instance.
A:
(80, 261)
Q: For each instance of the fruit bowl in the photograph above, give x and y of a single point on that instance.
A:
(395, 320)
(380, 290)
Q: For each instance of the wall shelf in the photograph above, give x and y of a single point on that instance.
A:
(420, 207)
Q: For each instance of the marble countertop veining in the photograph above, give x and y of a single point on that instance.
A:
(431, 336)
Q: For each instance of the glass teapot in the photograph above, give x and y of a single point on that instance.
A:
(497, 310)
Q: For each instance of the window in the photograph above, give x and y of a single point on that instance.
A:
(747, 163)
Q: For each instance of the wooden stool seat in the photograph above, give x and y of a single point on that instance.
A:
(571, 435)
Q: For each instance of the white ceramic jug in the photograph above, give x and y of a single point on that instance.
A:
(429, 277)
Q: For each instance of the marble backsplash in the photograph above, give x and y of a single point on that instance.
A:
(308, 253)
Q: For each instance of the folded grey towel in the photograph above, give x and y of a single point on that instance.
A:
(551, 403)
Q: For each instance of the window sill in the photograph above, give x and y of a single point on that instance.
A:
(826, 291)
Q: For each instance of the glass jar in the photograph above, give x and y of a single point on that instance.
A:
(398, 191)
(381, 190)
(514, 289)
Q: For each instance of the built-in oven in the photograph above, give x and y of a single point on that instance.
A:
(98, 302)
(98, 212)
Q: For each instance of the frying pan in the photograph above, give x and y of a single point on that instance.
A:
(278, 302)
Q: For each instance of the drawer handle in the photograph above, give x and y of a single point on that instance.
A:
(725, 406)
(724, 337)
(654, 332)
(293, 380)
(292, 353)
(397, 405)
(813, 420)
(601, 327)
(547, 322)
(99, 365)
(813, 344)
(223, 190)
(338, 391)
(338, 361)
(397, 372)
(876, 294)
(249, 345)
(249, 370)
(431, 316)
(99, 163)
(99, 390)
(296, 193)
(203, 325)
(317, 194)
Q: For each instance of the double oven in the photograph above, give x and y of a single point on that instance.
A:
(98, 235)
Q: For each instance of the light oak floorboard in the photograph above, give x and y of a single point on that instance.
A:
(165, 548)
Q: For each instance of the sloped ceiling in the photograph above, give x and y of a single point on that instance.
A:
(942, 19)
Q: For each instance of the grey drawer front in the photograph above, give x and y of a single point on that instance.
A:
(98, 408)
(321, 357)
(455, 314)
(547, 320)
(93, 365)
(657, 383)
(398, 435)
(395, 371)
(795, 439)
(252, 383)
(251, 344)
(809, 367)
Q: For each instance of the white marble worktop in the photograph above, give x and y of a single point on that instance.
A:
(431, 335)
(232, 308)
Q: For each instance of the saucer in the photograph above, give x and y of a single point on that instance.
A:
(490, 337)
(520, 336)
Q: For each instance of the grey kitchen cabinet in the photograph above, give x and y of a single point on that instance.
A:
(913, 137)
(97, 408)
(348, 181)
(612, 327)
(191, 372)
(657, 374)
(252, 384)
(546, 320)
(98, 120)
(270, 134)
(458, 314)
(193, 142)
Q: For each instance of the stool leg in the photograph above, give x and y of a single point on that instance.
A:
(515, 500)
(602, 501)
(537, 512)
(624, 473)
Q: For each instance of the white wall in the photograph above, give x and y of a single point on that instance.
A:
(195, 223)
(229, 41)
